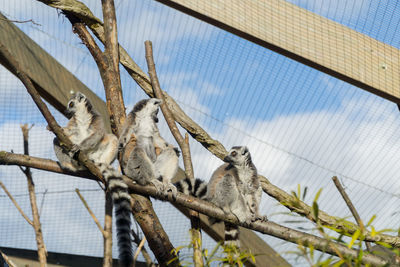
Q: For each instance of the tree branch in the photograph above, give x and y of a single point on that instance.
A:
(107, 236)
(7, 260)
(16, 204)
(42, 253)
(96, 221)
(352, 208)
(184, 145)
(269, 228)
(145, 254)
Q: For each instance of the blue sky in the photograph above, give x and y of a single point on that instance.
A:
(302, 126)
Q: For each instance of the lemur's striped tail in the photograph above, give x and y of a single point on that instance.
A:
(231, 235)
(122, 208)
(196, 188)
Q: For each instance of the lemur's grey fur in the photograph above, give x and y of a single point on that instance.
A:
(87, 132)
(234, 187)
(143, 164)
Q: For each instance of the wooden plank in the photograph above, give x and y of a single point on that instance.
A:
(306, 37)
(54, 84)
(52, 80)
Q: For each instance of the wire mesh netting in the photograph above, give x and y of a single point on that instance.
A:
(302, 126)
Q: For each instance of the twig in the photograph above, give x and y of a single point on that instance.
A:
(42, 253)
(90, 211)
(269, 227)
(138, 249)
(145, 254)
(184, 145)
(22, 21)
(7, 260)
(167, 113)
(353, 210)
(42, 202)
(16, 204)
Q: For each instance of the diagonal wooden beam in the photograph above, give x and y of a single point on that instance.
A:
(305, 37)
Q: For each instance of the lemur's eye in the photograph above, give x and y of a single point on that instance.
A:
(71, 104)
(234, 153)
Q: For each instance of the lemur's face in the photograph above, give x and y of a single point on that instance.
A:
(238, 155)
(76, 102)
(151, 108)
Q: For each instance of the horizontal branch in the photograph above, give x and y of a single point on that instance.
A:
(269, 228)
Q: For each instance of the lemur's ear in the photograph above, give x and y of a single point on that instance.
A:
(245, 150)
(80, 96)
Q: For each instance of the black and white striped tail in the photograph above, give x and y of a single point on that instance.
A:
(122, 209)
(231, 235)
(196, 188)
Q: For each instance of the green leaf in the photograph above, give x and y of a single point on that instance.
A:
(354, 238)
(311, 247)
(315, 210)
(299, 190)
(371, 220)
(304, 193)
(317, 195)
(338, 264)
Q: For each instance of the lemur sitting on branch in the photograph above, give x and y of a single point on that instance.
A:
(87, 132)
(234, 187)
(143, 165)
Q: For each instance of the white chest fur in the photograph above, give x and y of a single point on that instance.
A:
(145, 126)
(83, 130)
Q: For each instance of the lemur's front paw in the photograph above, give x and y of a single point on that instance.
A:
(171, 189)
(159, 187)
(259, 218)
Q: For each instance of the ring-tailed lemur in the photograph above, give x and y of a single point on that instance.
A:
(87, 132)
(234, 187)
(143, 165)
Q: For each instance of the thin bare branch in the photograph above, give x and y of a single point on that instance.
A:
(353, 210)
(185, 148)
(145, 254)
(138, 249)
(7, 260)
(167, 113)
(22, 21)
(16, 204)
(269, 227)
(42, 253)
(90, 211)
